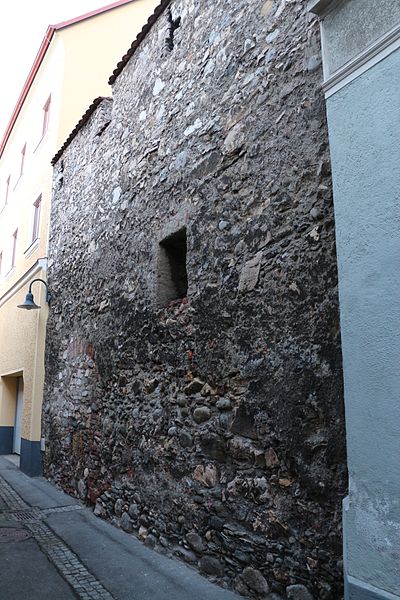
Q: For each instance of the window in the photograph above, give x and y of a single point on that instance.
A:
(7, 190)
(172, 274)
(36, 218)
(22, 160)
(14, 248)
(46, 114)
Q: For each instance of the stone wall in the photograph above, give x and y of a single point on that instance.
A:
(212, 427)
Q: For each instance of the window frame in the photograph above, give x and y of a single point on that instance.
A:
(8, 181)
(36, 219)
(46, 116)
(23, 152)
(14, 249)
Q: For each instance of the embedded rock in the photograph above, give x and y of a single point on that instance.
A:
(133, 510)
(255, 580)
(224, 404)
(99, 509)
(206, 475)
(195, 542)
(118, 506)
(185, 439)
(194, 386)
(201, 414)
(126, 523)
(211, 566)
(298, 592)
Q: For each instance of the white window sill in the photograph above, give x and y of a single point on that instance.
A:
(31, 249)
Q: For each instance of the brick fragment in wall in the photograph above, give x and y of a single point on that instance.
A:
(211, 428)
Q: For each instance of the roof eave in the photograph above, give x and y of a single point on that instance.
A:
(158, 11)
(92, 13)
(83, 120)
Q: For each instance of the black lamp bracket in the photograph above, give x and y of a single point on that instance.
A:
(48, 297)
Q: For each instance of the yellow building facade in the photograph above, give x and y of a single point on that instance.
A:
(71, 68)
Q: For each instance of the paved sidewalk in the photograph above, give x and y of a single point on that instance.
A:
(52, 548)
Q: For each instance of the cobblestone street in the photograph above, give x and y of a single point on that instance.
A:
(52, 547)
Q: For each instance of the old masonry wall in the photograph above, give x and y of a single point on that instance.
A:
(211, 427)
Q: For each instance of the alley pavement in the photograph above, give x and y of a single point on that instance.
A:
(53, 548)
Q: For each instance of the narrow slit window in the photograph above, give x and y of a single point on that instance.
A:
(172, 272)
(36, 218)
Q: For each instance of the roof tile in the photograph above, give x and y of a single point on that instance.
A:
(84, 119)
(139, 38)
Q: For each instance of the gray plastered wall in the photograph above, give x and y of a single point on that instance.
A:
(363, 126)
(363, 109)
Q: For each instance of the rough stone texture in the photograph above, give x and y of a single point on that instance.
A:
(255, 580)
(298, 592)
(195, 542)
(224, 135)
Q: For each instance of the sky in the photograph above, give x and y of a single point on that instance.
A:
(23, 24)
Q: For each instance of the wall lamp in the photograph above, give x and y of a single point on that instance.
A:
(29, 303)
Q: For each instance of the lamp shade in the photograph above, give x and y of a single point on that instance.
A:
(29, 303)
